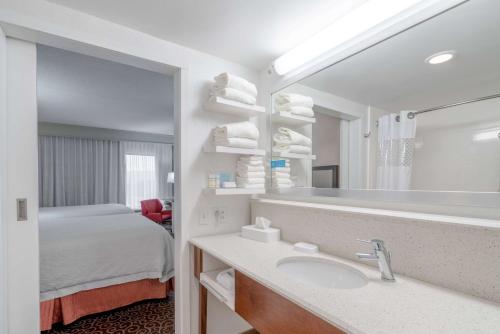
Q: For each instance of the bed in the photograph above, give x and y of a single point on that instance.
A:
(94, 263)
(50, 213)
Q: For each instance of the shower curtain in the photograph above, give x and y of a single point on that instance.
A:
(396, 144)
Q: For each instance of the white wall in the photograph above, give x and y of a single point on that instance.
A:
(446, 155)
(23, 277)
(39, 21)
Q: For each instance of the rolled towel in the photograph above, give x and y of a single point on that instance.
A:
(236, 142)
(294, 99)
(251, 174)
(299, 149)
(250, 180)
(296, 110)
(226, 279)
(227, 80)
(281, 148)
(247, 168)
(289, 137)
(237, 130)
(234, 94)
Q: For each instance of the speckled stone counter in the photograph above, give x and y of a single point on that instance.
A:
(404, 307)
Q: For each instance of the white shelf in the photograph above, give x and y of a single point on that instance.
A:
(235, 191)
(220, 104)
(285, 117)
(209, 281)
(234, 150)
(293, 155)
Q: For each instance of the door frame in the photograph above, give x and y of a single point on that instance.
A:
(178, 67)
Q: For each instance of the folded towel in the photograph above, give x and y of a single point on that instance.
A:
(251, 186)
(226, 279)
(250, 163)
(299, 149)
(282, 180)
(251, 174)
(227, 80)
(290, 137)
(252, 158)
(237, 130)
(294, 99)
(296, 110)
(247, 168)
(281, 169)
(280, 175)
(234, 94)
(278, 186)
(236, 142)
(250, 180)
(281, 147)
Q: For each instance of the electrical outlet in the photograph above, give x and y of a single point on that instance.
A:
(204, 216)
(220, 215)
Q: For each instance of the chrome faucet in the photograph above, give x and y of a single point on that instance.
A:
(382, 255)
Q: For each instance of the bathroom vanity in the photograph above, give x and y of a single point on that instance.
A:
(274, 301)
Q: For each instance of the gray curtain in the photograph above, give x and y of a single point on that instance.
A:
(78, 171)
(83, 171)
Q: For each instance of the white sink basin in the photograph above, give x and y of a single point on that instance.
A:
(323, 273)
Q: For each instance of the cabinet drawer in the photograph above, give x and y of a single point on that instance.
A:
(270, 313)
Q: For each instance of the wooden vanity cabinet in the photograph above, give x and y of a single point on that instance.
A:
(264, 309)
(270, 313)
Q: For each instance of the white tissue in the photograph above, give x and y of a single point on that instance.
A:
(262, 223)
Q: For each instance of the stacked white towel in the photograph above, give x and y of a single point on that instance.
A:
(295, 104)
(240, 134)
(287, 140)
(250, 172)
(234, 88)
(281, 177)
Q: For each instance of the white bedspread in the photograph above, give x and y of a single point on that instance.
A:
(83, 253)
(81, 211)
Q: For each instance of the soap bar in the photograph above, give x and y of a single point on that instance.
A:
(305, 247)
(268, 235)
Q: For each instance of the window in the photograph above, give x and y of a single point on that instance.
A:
(140, 179)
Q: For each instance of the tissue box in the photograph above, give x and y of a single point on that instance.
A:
(268, 235)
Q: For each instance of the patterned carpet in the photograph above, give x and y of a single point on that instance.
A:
(148, 317)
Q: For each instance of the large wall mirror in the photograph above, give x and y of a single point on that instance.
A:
(418, 111)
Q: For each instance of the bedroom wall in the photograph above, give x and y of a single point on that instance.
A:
(67, 130)
(39, 21)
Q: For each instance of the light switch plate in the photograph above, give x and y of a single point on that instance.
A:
(204, 216)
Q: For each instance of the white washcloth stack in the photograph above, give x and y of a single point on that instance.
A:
(240, 134)
(286, 140)
(296, 104)
(281, 177)
(250, 172)
(234, 88)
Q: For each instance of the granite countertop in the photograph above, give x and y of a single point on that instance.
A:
(404, 307)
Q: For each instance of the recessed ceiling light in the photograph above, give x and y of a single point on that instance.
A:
(440, 57)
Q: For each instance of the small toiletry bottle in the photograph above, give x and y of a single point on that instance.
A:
(213, 181)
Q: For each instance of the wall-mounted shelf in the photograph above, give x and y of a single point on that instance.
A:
(284, 117)
(209, 281)
(220, 104)
(235, 191)
(234, 150)
(294, 155)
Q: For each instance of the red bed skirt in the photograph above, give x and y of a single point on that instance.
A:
(70, 308)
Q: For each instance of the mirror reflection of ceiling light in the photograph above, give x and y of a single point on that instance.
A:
(440, 57)
(487, 135)
(368, 17)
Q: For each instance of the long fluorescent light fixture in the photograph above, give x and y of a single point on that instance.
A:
(351, 25)
(487, 135)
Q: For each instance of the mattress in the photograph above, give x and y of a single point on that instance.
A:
(81, 211)
(83, 253)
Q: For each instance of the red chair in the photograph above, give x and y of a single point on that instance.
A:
(153, 209)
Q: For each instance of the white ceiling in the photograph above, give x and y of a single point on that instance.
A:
(249, 32)
(394, 76)
(82, 90)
